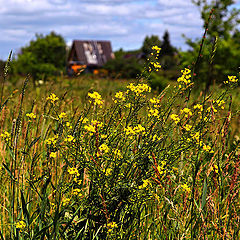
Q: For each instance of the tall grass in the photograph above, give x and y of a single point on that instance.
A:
(134, 165)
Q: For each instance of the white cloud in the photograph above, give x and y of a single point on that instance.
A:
(124, 22)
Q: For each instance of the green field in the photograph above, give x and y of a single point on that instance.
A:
(79, 161)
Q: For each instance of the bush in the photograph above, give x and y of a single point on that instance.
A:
(157, 82)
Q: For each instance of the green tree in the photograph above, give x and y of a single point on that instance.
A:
(149, 42)
(166, 47)
(220, 52)
(43, 57)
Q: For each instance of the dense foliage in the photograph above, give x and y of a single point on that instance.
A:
(43, 57)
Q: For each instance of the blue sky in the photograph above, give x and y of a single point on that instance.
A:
(124, 22)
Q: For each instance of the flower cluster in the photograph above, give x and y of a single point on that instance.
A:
(111, 226)
(139, 88)
(139, 129)
(175, 118)
(20, 224)
(51, 141)
(187, 112)
(6, 136)
(62, 115)
(31, 115)
(119, 97)
(185, 78)
(95, 98)
(104, 148)
(186, 188)
(153, 113)
(231, 79)
(73, 171)
(53, 98)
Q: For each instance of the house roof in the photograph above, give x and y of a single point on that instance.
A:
(91, 52)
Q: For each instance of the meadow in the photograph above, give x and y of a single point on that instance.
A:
(91, 158)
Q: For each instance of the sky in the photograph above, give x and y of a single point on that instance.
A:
(124, 22)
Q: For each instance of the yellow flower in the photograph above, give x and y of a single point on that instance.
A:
(187, 112)
(186, 188)
(6, 136)
(90, 128)
(77, 191)
(231, 79)
(104, 148)
(175, 118)
(31, 115)
(108, 172)
(118, 153)
(20, 224)
(53, 98)
(119, 97)
(96, 98)
(139, 88)
(51, 141)
(62, 115)
(69, 138)
(66, 201)
(68, 125)
(207, 148)
(73, 171)
(145, 184)
(53, 154)
(153, 113)
(156, 48)
(185, 78)
(111, 226)
(187, 127)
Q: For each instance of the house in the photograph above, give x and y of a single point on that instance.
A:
(89, 54)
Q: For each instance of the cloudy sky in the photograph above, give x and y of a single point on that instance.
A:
(124, 22)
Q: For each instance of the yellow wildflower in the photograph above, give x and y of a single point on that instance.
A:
(31, 115)
(187, 112)
(207, 148)
(108, 172)
(66, 201)
(73, 171)
(62, 115)
(186, 188)
(119, 97)
(90, 128)
(20, 224)
(6, 136)
(53, 98)
(96, 98)
(175, 118)
(153, 113)
(231, 79)
(187, 127)
(139, 88)
(53, 154)
(51, 141)
(104, 148)
(69, 138)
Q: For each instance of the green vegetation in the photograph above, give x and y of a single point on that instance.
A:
(43, 57)
(114, 160)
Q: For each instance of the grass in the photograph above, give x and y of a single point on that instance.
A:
(133, 165)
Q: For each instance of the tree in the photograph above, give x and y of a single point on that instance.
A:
(219, 56)
(166, 47)
(43, 57)
(224, 19)
(149, 42)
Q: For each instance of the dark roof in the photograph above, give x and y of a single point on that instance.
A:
(91, 52)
